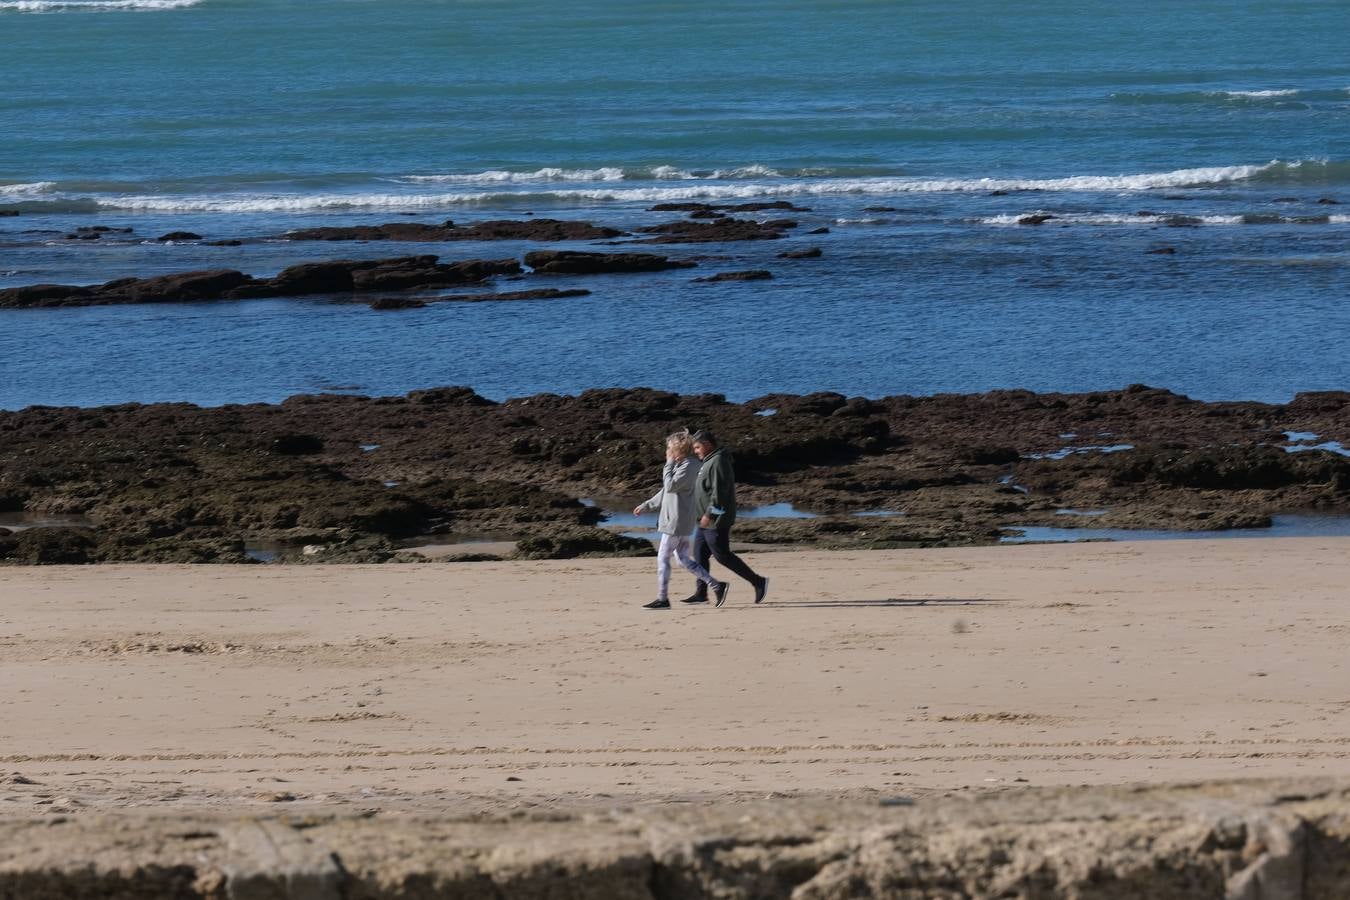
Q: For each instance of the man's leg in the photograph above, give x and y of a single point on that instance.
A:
(720, 538)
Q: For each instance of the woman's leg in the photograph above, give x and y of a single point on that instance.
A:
(663, 553)
(683, 553)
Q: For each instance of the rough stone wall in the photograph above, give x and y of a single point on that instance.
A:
(1235, 841)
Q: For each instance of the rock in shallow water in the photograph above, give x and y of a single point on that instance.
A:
(578, 262)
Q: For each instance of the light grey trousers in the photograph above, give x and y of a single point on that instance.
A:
(679, 547)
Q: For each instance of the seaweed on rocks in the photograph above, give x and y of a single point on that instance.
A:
(581, 542)
(748, 275)
(579, 262)
(717, 230)
(357, 475)
(331, 277)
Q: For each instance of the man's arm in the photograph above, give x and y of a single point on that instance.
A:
(722, 484)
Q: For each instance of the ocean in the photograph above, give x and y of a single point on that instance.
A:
(918, 133)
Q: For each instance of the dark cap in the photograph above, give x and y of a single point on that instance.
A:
(704, 436)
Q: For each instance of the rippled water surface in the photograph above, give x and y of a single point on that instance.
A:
(919, 134)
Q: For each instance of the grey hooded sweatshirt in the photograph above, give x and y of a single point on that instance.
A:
(675, 500)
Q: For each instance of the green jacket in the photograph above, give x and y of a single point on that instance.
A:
(715, 490)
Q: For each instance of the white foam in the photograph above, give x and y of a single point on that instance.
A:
(288, 202)
(1289, 92)
(31, 189)
(603, 174)
(505, 177)
(704, 188)
(1102, 219)
(42, 6)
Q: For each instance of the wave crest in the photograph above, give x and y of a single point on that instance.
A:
(1269, 98)
(604, 185)
(604, 173)
(23, 191)
(52, 6)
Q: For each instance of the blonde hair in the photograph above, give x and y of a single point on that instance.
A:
(681, 441)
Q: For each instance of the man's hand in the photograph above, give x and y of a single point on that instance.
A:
(637, 510)
(705, 522)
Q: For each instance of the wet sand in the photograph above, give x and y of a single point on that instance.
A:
(491, 686)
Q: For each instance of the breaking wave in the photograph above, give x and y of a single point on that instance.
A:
(605, 173)
(24, 191)
(53, 6)
(602, 185)
(1154, 219)
(1269, 98)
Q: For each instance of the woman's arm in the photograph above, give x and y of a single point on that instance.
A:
(679, 476)
(653, 503)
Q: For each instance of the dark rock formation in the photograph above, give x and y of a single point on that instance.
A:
(395, 303)
(808, 253)
(728, 229)
(48, 546)
(495, 230)
(291, 444)
(335, 277)
(1164, 251)
(750, 275)
(540, 294)
(176, 482)
(1035, 219)
(577, 262)
(582, 542)
(179, 236)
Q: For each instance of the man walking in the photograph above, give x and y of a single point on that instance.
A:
(715, 507)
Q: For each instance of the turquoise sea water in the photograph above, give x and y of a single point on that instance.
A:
(917, 132)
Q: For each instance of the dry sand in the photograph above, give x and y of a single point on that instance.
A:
(493, 686)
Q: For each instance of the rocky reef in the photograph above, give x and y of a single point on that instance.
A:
(343, 478)
(340, 277)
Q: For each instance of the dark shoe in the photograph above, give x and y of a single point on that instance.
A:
(720, 592)
(696, 598)
(761, 589)
(657, 604)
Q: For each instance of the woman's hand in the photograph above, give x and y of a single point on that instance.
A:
(705, 522)
(637, 510)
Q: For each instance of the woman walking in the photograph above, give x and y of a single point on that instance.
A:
(675, 501)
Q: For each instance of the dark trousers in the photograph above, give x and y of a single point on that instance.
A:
(715, 543)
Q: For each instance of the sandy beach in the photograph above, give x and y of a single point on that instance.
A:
(497, 686)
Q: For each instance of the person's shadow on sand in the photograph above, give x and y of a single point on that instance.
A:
(868, 604)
